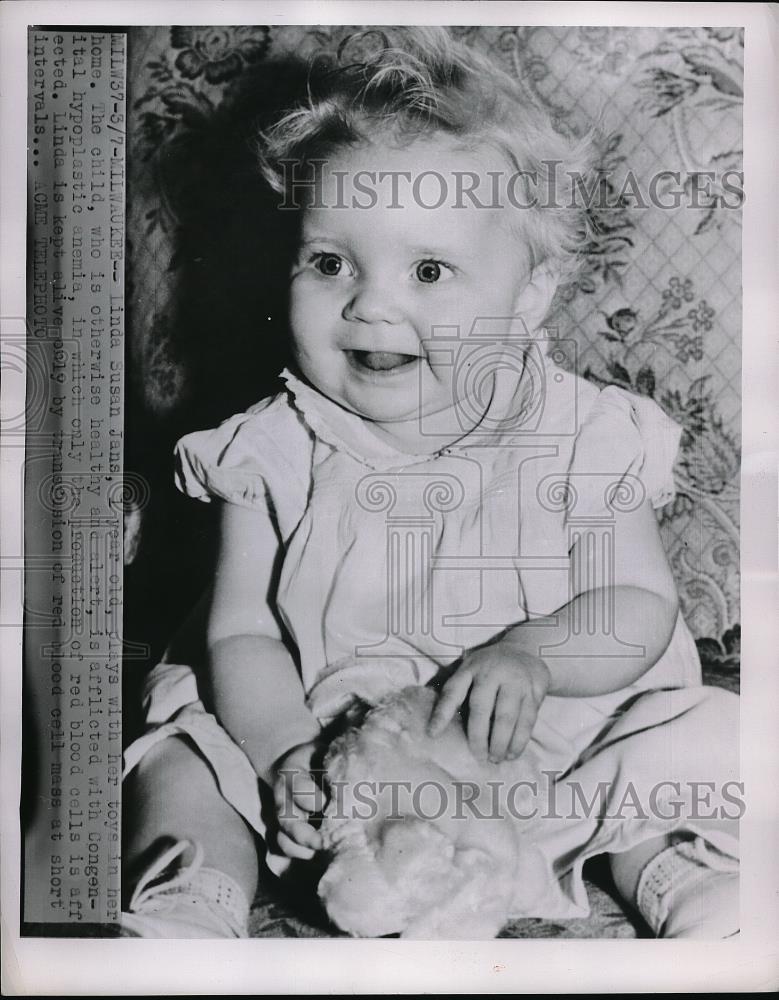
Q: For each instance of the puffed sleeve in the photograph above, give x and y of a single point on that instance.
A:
(625, 452)
(258, 459)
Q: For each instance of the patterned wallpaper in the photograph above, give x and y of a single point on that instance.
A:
(656, 308)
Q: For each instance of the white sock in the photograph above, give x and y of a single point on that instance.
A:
(689, 890)
(173, 899)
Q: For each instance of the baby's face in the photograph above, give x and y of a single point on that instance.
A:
(370, 284)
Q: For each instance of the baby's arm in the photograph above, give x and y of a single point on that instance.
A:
(644, 606)
(255, 687)
(506, 681)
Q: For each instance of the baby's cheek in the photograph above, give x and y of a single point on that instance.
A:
(307, 304)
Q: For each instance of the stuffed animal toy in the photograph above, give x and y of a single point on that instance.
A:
(419, 838)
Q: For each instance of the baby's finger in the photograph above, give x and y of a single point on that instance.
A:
(287, 810)
(528, 713)
(306, 793)
(480, 705)
(301, 831)
(280, 795)
(453, 694)
(281, 798)
(292, 849)
(294, 822)
(503, 723)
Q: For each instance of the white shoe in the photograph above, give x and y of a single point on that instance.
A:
(174, 900)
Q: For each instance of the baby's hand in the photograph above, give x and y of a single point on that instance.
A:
(297, 796)
(504, 687)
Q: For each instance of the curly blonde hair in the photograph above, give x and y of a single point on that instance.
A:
(421, 81)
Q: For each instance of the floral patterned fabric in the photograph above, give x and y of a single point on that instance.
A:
(655, 309)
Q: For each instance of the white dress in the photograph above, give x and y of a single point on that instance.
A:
(393, 564)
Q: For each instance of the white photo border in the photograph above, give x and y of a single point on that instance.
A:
(748, 963)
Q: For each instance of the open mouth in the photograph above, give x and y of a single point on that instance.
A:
(384, 362)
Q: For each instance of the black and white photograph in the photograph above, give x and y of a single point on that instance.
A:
(390, 405)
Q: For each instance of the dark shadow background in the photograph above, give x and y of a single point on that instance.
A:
(228, 336)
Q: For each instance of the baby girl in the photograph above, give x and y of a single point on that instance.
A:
(431, 499)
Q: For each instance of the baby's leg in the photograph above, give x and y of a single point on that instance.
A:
(680, 887)
(170, 797)
(626, 867)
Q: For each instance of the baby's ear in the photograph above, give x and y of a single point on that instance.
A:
(534, 300)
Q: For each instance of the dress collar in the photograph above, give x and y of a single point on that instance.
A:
(346, 432)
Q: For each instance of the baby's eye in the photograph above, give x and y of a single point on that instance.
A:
(430, 271)
(328, 264)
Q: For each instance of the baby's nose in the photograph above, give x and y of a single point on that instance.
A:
(374, 302)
